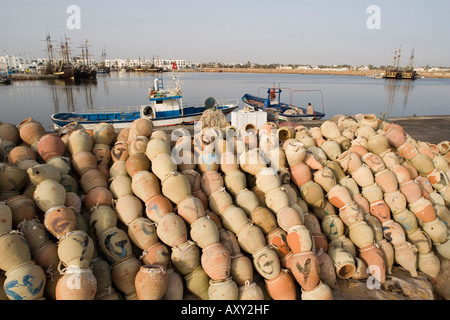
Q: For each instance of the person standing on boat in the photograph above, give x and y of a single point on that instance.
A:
(310, 109)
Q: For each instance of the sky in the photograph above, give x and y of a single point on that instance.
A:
(321, 32)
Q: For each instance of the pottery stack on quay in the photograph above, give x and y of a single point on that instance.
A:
(248, 213)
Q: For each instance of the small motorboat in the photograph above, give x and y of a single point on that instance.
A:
(285, 111)
(166, 108)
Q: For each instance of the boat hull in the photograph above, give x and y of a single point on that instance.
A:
(117, 119)
(257, 103)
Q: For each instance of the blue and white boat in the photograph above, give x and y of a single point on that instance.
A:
(165, 108)
(284, 111)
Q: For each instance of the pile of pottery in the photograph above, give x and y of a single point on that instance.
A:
(245, 213)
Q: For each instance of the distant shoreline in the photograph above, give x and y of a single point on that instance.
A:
(363, 73)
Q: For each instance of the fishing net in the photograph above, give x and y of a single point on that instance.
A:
(213, 117)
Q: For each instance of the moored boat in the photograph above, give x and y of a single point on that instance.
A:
(166, 108)
(5, 78)
(285, 112)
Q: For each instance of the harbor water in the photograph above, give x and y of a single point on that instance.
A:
(341, 94)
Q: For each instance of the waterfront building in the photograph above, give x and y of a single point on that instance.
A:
(166, 64)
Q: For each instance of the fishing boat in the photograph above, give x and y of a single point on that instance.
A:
(165, 108)
(395, 72)
(284, 111)
(5, 78)
(84, 70)
(102, 68)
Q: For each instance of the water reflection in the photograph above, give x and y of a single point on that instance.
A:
(343, 95)
(69, 90)
(392, 86)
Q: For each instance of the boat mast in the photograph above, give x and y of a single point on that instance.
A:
(398, 57)
(395, 58)
(50, 64)
(411, 60)
(82, 55)
(87, 54)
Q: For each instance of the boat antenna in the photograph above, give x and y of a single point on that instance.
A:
(174, 71)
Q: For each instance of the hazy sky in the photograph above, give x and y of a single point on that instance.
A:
(260, 31)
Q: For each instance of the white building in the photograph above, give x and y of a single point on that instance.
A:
(18, 63)
(144, 63)
(167, 64)
(12, 62)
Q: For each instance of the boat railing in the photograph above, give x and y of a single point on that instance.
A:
(218, 102)
(111, 109)
(278, 90)
(313, 90)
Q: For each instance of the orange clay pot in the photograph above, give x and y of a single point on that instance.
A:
(172, 230)
(50, 145)
(157, 207)
(119, 152)
(300, 174)
(386, 180)
(100, 196)
(411, 190)
(60, 220)
(83, 161)
(351, 213)
(305, 268)
(349, 161)
(339, 196)
(300, 239)
(30, 131)
(395, 135)
(406, 256)
(151, 282)
(282, 287)
(278, 240)
(423, 209)
(393, 232)
(158, 254)
(76, 284)
(380, 210)
(408, 150)
(190, 209)
(374, 259)
(216, 261)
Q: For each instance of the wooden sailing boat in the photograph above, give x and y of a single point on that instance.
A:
(65, 69)
(395, 72)
(102, 68)
(49, 67)
(408, 72)
(85, 71)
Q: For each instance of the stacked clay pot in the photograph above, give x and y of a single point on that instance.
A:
(343, 194)
(383, 196)
(216, 258)
(75, 247)
(24, 278)
(49, 148)
(24, 212)
(249, 209)
(109, 206)
(355, 194)
(421, 189)
(171, 230)
(289, 219)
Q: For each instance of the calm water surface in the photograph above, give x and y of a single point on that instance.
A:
(342, 94)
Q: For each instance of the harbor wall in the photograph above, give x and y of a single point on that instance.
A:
(318, 71)
(442, 75)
